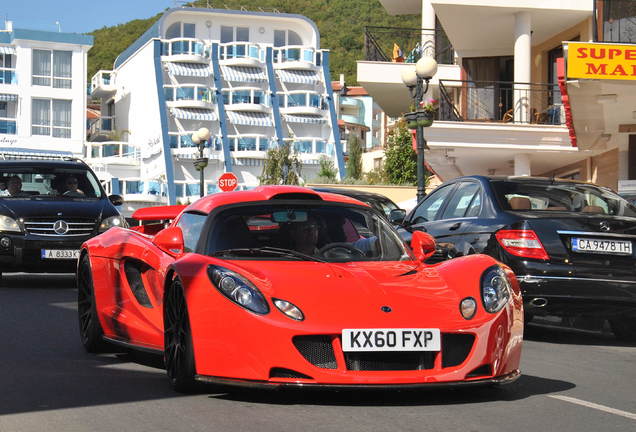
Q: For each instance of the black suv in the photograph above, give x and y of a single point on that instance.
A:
(48, 208)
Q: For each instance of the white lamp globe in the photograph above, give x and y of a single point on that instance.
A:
(204, 134)
(426, 67)
(409, 77)
(196, 138)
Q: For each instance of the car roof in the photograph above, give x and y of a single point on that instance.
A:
(265, 193)
(43, 163)
(352, 193)
(524, 179)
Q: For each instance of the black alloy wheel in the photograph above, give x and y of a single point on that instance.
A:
(91, 332)
(178, 353)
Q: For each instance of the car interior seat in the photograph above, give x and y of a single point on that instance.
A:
(519, 203)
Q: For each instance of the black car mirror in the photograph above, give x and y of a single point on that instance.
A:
(116, 200)
(397, 216)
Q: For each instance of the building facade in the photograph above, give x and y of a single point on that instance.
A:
(253, 79)
(502, 107)
(42, 90)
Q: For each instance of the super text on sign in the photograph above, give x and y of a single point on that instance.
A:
(601, 61)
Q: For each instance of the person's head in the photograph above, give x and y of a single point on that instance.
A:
(71, 183)
(14, 185)
(304, 235)
(3, 184)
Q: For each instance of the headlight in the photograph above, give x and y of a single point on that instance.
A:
(9, 224)
(238, 289)
(113, 221)
(495, 289)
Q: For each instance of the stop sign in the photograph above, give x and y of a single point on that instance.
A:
(228, 182)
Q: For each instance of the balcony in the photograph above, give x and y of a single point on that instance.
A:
(189, 96)
(246, 99)
(249, 145)
(186, 50)
(241, 54)
(500, 102)
(113, 152)
(296, 57)
(181, 146)
(618, 21)
(310, 148)
(310, 103)
(8, 76)
(7, 126)
(103, 84)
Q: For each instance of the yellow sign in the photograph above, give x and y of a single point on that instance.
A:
(601, 61)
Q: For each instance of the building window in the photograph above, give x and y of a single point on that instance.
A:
(235, 34)
(7, 69)
(52, 67)
(286, 37)
(51, 117)
(179, 30)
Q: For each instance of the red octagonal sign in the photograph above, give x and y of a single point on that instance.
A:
(228, 182)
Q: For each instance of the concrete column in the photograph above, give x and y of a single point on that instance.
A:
(428, 28)
(522, 164)
(523, 66)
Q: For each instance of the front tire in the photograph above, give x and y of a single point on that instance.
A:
(178, 351)
(91, 333)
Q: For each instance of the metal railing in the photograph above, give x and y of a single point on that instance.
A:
(7, 76)
(500, 102)
(618, 18)
(8, 126)
(300, 53)
(112, 149)
(236, 50)
(398, 44)
(188, 92)
(184, 46)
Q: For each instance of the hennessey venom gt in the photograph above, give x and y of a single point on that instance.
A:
(285, 286)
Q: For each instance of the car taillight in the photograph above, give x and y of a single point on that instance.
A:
(522, 243)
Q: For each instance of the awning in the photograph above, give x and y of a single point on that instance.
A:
(298, 76)
(7, 49)
(243, 74)
(249, 118)
(304, 119)
(5, 97)
(189, 69)
(193, 114)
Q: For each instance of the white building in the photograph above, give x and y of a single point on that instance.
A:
(42, 90)
(254, 79)
(502, 109)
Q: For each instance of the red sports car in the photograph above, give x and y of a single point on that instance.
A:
(285, 286)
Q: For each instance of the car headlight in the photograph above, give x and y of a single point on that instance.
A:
(495, 289)
(113, 221)
(238, 289)
(8, 224)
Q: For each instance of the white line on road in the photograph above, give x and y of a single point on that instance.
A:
(615, 411)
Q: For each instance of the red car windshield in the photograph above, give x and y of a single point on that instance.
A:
(323, 233)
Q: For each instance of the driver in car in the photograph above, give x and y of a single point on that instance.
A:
(304, 236)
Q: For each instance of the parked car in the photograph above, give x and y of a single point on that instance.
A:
(48, 209)
(377, 201)
(571, 244)
(276, 287)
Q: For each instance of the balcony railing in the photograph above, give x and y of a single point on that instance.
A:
(296, 53)
(184, 140)
(396, 44)
(184, 46)
(113, 150)
(245, 96)
(500, 102)
(7, 126)
(7, 76)
(302, 99)
(198, 93)
(618, 21)
(309, 145)
(249, 143)
(241, 50)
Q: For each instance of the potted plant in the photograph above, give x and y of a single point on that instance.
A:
(423, 114)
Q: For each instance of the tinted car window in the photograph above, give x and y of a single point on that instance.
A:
(461, 200)
(48, 182)
(431, 205)
(191, 225)
(570, 197)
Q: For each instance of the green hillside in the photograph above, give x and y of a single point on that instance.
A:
(341, 24)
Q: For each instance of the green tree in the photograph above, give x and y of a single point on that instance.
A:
(281, 166)
(354, 163)
(400, 165)
(327, 172)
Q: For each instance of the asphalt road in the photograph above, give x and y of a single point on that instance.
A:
(573, 381)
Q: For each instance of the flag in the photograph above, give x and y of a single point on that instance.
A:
(398, 55)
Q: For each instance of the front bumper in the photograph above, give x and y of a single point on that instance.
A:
(25, 253)
(562, 295)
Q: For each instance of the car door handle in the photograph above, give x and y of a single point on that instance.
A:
(455, 226)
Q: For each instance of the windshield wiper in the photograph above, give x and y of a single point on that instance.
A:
(269, 250)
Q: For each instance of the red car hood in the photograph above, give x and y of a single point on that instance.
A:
(354, 293)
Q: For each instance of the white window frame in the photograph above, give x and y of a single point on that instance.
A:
(51, 77)
(50, 126)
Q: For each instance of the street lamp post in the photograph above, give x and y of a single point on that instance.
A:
(199, 138)
(417, 80)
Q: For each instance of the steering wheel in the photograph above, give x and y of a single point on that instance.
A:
(335, 250)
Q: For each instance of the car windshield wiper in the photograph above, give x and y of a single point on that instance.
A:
(268, 250)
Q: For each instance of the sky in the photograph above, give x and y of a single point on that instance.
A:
(78, 16)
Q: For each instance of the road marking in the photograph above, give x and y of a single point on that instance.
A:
(576, 401)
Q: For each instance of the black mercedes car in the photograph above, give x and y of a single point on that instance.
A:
(48, 208)
(571, 244)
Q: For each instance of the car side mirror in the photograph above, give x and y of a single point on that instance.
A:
(423, 245)
(116, 200)
(170, 240)
(397, 216)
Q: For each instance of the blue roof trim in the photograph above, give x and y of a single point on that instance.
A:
(48, 36)
(154, 30)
